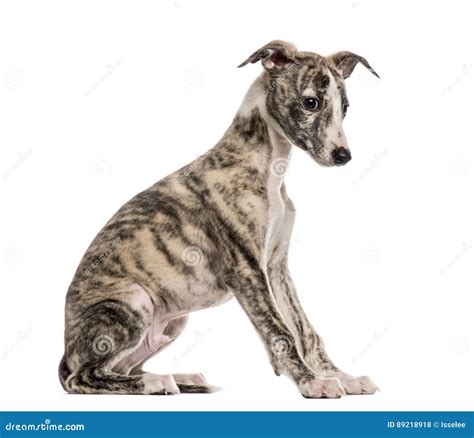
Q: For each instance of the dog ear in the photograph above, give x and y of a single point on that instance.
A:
(275, 56)
(346, 62)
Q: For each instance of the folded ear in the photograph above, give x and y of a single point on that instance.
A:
(346, 62)
(275, 56)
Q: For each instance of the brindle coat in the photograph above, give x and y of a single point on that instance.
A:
(216, 229)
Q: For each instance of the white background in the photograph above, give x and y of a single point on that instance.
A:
(98, 100)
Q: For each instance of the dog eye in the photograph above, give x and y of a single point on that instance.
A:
(311, 103)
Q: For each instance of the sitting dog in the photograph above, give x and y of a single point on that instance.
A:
(216, 229)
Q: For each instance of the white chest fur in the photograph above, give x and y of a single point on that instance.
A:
(278, 216)
(279, 220)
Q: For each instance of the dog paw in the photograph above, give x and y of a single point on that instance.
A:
(319, 387)
(190, 379)
(354, 385)
(160, 384)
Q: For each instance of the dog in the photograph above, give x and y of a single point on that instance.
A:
(213, 230)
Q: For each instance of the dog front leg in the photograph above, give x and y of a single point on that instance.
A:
(253, 292)
(310, 344)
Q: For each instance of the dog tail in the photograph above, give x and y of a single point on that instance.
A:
(197, 389)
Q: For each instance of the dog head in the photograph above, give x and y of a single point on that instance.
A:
(306, 95)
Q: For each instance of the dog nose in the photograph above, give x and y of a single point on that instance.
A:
(341, 155)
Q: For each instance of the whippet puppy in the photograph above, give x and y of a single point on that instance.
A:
(213, 230)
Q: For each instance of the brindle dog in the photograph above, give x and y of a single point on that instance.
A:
(216, 229)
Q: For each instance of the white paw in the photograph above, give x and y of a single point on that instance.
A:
(160, 384)
(354, 385)
(190, 379)
(320, 387)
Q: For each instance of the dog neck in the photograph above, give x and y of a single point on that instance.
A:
(258, 134)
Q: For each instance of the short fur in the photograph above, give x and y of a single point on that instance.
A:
(216, 229)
